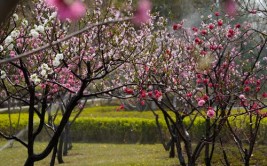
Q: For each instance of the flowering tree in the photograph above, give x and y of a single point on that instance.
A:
(204, 73)
(195, 73)
(43, 60)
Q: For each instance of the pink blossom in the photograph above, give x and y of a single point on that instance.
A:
(142, 12)
(253, 11)
(142, 102)
(230, 7)
(210, 112)
(264, 95)
(68, 9)
(242, 97)
(201, 102)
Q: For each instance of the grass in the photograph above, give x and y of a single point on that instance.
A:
(94, 154)
(84, 154)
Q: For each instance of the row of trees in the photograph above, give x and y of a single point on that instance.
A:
(205, 71)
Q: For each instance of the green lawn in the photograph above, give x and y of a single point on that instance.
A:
(84, 154)
(93, 154)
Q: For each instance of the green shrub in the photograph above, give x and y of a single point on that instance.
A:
(104, 124)
(116, 130)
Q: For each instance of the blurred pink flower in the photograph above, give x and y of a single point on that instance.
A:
(210, 112)
(201, 102)
(230, 7)
(142, 12)
(72, 9)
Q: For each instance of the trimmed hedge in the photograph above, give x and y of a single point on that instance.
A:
(125, 129)
(116, 130)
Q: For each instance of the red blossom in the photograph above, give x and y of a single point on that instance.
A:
(142, 102)
(210, 85)
(199, 81)
(258, 82)
(247, 89)
(194, 29)
(176, 26)
(211, 26)
(247, 82)
(198, 41)
(204, 32)
(202, 52)
(128, 91)
(238, 26)
(143, 94)
(189, 94)
(158, 94)
(150, 94)
(205, 97)
(213, 47)
(220, 22)
(205, 81)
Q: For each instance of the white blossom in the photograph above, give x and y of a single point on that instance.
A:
(8, 40)
(53, 15)
(44, 66)
(56, 63)
(1, 48)
(15, 34)
(34, 33)
(59, 57)
(40, 28)
(35, 79)
(45, 69)
(15, 17)
(2, 74)
(10, 46)
(24, 23)
(44, 73)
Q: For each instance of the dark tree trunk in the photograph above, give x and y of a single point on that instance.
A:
(53, 159)
(207, 146)
(60, 148)
(29, 162)
(67, 141)
(6, 8)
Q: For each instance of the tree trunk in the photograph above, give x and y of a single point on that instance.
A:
(66, 139)
(6, 8)
(60, 148)
(207, 146)
(52, 162)
(29, 162)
